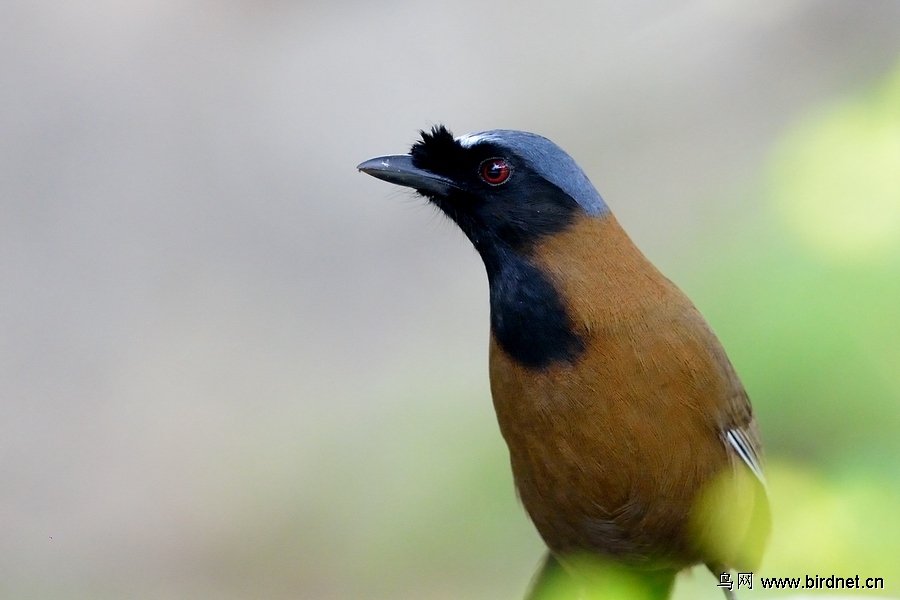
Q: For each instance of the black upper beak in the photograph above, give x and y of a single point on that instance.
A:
(398, 169)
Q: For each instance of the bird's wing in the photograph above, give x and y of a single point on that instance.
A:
(738, 427)
(748, 521)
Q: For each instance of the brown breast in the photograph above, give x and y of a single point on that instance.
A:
(608, 453)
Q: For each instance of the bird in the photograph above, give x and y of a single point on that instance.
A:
(633, 445)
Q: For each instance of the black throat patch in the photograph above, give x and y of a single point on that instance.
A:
(528, 318)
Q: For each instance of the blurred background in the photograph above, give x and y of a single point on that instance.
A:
(233, 367)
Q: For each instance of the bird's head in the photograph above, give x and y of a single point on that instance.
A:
(510, 191)
(505, 189)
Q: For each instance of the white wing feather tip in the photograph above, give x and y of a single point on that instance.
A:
(738, 441)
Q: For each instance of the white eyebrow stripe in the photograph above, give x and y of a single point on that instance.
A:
(470, 139)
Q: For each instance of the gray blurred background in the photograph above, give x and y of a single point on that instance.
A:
(233, 367)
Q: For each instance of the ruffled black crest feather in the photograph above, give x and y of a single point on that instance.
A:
(437, 151)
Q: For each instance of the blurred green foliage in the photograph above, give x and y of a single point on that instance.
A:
(808, 305)
(806, 299)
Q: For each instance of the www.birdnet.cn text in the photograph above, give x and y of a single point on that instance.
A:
(807, 582)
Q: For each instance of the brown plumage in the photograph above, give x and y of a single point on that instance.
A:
(632, 441)
(609, 453)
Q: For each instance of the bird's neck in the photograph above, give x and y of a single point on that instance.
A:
(600, 274)
(546, 299)
(529, 319)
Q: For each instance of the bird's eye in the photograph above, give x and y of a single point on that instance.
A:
(495, 171)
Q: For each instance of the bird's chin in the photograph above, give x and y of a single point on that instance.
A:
(460, 217)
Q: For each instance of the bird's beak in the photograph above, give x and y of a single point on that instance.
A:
(398, 169)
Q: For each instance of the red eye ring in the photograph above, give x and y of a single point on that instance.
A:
(494, 171)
